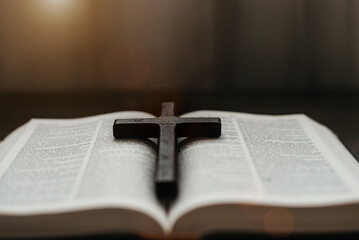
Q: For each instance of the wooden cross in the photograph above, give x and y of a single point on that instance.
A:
(167, 128)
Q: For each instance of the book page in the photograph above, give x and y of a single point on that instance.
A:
(264, 160)
(59, 166)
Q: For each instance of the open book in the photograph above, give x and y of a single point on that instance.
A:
(265, 174)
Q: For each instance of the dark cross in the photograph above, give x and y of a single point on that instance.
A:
(167, 128)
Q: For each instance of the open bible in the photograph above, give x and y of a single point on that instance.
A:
(265, 174)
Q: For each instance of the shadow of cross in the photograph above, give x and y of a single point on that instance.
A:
(167, 128)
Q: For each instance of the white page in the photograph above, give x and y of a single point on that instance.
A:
(265, 160)
(65, 165)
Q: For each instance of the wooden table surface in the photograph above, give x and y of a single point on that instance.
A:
(337, 110)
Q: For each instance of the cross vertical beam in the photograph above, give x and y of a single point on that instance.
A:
(166, 169)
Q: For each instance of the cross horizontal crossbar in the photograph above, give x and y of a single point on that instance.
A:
(150, 127)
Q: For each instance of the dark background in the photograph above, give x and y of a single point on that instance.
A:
(84, 45)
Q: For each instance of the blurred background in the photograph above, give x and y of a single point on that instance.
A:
(91, 45)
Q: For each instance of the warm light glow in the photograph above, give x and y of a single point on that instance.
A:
(59, 8)
(57, 3)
